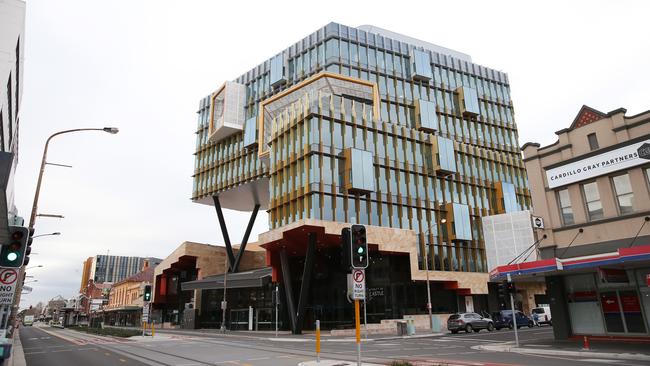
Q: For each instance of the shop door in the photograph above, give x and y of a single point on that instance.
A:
(239, 319)
(632, 311)
(612, 312)
(622, 311)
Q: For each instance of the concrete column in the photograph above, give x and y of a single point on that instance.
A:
(559, 307)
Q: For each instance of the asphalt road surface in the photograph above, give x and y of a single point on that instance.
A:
(52, 347)
(44, 349)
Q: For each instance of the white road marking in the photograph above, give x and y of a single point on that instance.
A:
(599, 360)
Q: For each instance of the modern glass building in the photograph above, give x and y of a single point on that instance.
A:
(115, 268)
(364, 125)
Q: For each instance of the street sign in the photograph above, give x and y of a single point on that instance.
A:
(538, 222)
(8, 278)
(145, 312)
(358, 284)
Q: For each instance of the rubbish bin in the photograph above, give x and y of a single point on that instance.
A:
(401, 328)
(435, 324)
(5, 352)
(410, 327)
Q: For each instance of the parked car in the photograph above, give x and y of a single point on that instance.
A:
(503, 319)
(543, 315)
(469, 322)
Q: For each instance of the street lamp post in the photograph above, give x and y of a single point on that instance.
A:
(426, 269)
(32, 218)
(36, 236)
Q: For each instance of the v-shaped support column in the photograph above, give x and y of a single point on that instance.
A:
(296, 316)
(306, 279)
(233, 262)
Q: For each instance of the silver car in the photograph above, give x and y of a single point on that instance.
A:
(469, 322)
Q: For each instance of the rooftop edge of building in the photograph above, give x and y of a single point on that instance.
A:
(414, 41)
(387, 34)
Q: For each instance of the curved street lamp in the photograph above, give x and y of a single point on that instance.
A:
(32, 218)
(56, 233)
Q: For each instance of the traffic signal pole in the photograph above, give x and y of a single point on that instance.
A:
(514, 319)
(511, 291)
(357, 325)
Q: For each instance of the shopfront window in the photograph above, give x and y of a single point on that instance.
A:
(584, 308)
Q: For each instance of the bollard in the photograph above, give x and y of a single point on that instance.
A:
(153, 332)
(317, 341)
(585, 344)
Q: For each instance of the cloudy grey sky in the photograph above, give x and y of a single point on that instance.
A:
(142, 66)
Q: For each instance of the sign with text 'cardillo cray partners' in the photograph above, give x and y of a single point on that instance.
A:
(600, 164)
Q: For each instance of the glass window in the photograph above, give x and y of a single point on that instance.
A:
(421, 65)
(593, 141)
(566, 212)
(624, 194)
(250, 132)
(592, 200)
(427, 117)
(509, 197)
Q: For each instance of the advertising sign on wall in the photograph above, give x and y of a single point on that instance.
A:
(597, 165)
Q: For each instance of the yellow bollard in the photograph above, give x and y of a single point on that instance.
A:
(153, 332)
(317, 341)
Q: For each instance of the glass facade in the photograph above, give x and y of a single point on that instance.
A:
(419, 151)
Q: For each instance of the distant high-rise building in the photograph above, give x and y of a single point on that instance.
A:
(113, 268)
(12, 29)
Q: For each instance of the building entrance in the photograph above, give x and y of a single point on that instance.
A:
(622, 311)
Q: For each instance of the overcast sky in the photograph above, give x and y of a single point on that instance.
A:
(142, 66)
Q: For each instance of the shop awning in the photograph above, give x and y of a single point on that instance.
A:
(545, 267)
(248, 279)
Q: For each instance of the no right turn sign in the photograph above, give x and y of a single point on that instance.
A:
(8, 278)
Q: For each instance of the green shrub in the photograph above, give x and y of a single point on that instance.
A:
(115, 332)
(401, 363)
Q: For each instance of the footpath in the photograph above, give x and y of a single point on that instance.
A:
(598, 349)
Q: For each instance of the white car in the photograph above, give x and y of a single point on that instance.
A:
(543, 315)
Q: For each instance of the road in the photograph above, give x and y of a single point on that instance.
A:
(53, 347)
(43, 349)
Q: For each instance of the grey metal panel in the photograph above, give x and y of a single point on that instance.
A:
(254, 278)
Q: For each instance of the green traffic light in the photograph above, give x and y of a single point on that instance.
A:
(12, 256)
(360, 250)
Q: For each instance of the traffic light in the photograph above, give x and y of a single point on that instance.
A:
(13, 254)
(502, 289)
(511, 288)
(345, 249)
(358, 246)
(147, 293)
(28, 251)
